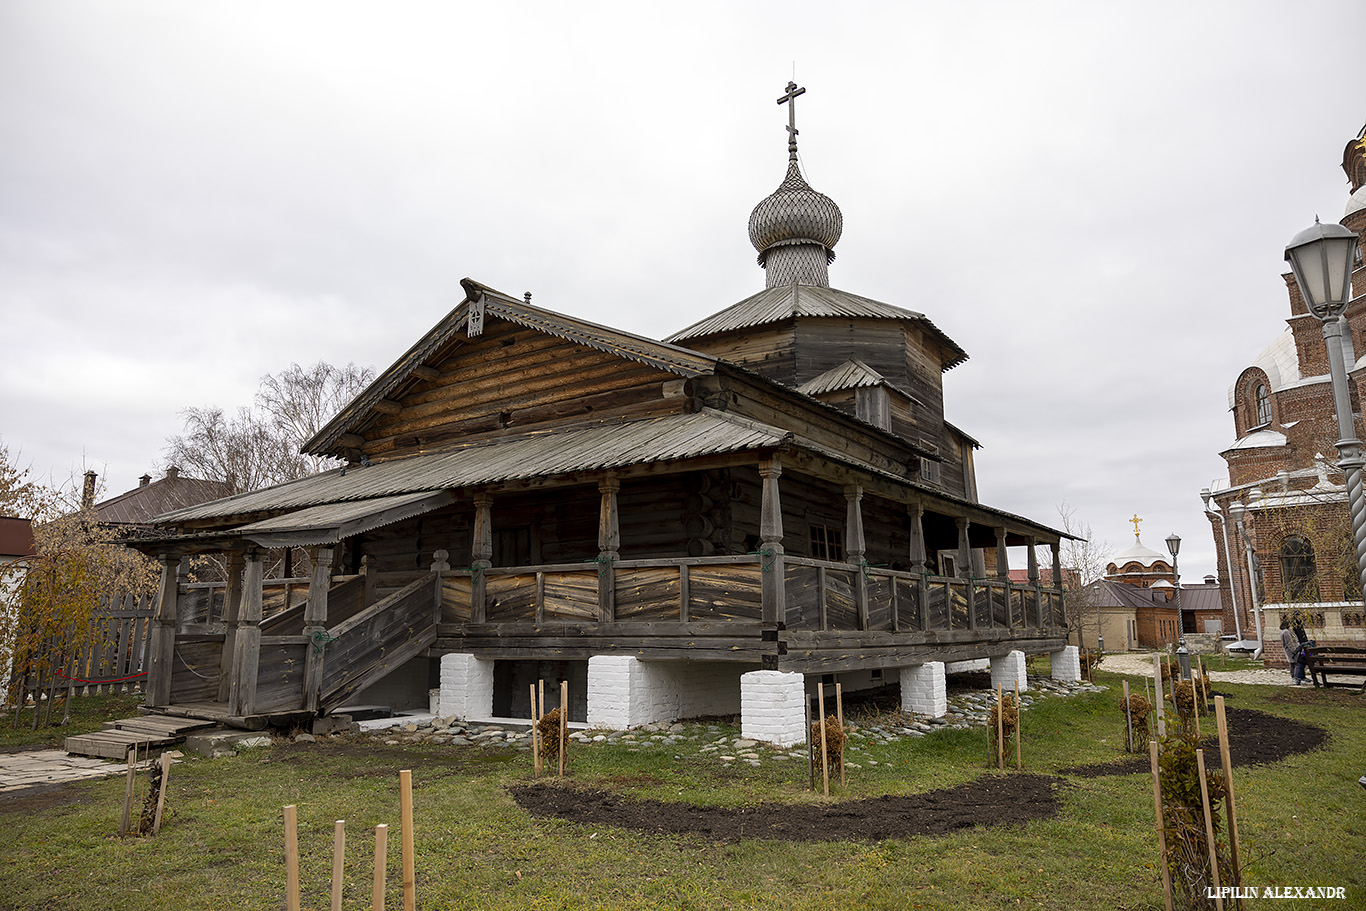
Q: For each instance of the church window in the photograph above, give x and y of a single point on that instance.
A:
(1262, 402)
(1299, 575)
(827, 543)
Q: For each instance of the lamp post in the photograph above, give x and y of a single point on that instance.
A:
(1183, 656)
(1322, 258)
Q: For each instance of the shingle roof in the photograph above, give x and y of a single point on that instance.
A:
(775, 304)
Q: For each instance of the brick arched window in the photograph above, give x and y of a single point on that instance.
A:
(1261, 405)
(1299, 574)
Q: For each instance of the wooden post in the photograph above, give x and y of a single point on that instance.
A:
(162, 651)
(1209, 830)
(166, 759)
(127, 817)
(810, 744)
(1157, 692)
(481, 555)
(1056, 548)
(405, 782)
(1018, 718)
(1033, 564)
(609, 543)
(338, 862)
(291, 858)
(315, 622)
(381, 859)
(773, 582)
(1000, 731)
(1161, 827)
(564, 723)
(242, 699)
(535, 736)
(839, 715)
(1128, 721)
(855, 551)
(825, 753)
(1227, 761)
(232, 619)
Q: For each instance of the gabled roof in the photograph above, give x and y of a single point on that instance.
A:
(142, 504)
(785, 301)
(852, 374)
(676, 360)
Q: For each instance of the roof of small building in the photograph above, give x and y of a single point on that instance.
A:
(785, 301)
(147, 501)
(16, 537)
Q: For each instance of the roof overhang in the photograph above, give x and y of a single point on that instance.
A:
(330, 523)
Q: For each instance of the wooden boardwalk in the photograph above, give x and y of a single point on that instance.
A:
(146, 732)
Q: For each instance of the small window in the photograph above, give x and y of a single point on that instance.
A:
(1263, 404)
(929, 470)
(827, 543)
(1299, 574)
(948, 564)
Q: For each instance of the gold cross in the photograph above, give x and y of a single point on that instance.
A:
(1135, 520)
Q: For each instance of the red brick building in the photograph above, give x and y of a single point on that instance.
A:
(1281, 518)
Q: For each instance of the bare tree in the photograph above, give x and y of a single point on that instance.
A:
(1084, 561)
(260, 446)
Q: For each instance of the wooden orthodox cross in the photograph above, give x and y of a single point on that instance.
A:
(790, 99)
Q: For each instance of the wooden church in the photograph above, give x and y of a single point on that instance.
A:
(703, 525)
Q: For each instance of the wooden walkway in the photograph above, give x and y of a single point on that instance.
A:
(146, 732)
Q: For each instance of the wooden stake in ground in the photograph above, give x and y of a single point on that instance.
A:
(1157, 690)
(291, 858)
(1161, 828)
(825, 756)
(1000, 731)
(1222, 725)
(1128, 720)
(338, 861)
(126, 819)
(535, 736)
(381, 859)
(405, 805)
(1018, 719)
(564, 723)
(1209, 830)
(839, 715)
(810, 744)
(166, 759)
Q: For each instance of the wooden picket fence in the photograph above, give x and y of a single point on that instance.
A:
(112, 660)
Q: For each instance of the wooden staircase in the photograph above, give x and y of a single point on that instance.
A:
(146, 732)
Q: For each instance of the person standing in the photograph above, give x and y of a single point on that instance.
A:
(1292, 640)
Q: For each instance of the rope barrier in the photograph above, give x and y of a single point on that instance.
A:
(320, 638)
(189, 667)
(101, 681)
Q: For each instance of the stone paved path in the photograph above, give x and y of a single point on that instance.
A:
(1141, 665)
(44, 767)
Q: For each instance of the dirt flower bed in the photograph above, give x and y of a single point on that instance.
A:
(991, 800)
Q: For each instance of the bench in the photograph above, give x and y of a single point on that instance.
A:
(1322, 660)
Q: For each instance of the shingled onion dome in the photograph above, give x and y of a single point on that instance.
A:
(795, 230)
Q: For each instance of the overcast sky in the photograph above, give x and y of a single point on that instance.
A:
(1093, 199)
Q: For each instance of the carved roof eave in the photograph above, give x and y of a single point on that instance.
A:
(661, 355)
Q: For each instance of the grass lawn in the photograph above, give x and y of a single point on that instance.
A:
(1302, 821)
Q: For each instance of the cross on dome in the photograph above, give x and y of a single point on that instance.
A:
(790, 99)
(1135, 520)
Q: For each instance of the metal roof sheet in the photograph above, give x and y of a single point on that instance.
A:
(538, 454)
(330, 523)
(775, 304)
